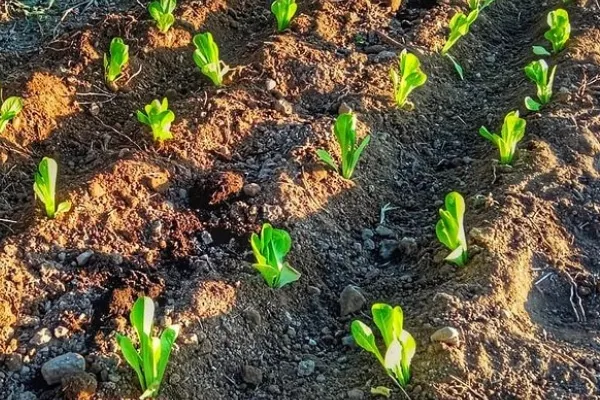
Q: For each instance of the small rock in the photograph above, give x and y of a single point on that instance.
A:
(283, 106)
(14, 362)
(252, 189)
(367, 234)
(374, 49)
(344, 108)
(314, 291)
(306, 367)
(253, 316)
(59, 367)
(369, 245)
(348, 340)
(321, 378)
(407, 246)
(270, 85)
(96, 189)
(274, 389)
(41, 337)
(387, 248)
(84, 258)
(584, 291)
(384, 231)
(60, 332)
(206, 237)
(291, 332)
(252, 375)
(26, 396)
(446, 335)
(351, 300)
(190, 338)
(174, 378)
(356, 394)
(491, 59)
(94, 109)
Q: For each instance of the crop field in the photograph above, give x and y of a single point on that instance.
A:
(299, 199)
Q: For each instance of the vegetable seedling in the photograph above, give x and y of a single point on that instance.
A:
(162, 13)
(513, 131)
(114, 64)
(284, 11)
(450, 229)
(270, 249)
(407, 78)
(543, 77)
(479, 4)
(345, 133)
(150, 361)
(399, 344)
(159, 118)
(10, 108)
(206, 57)
(459, 27)
(44, 188)
(558, 34)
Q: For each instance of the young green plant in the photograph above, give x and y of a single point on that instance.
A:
(479, 4)
(284, 11)
(450, 229)
(513, 131)
(459, 27)
(159, 118)
(558, 34)
(543, 77)
(399, 344)
(270, 249)
(345, 133)
(150, 361)
(407, 77)
(162, 13)
(116, 61)
(206, 57)
(10, 108)
(44, 188)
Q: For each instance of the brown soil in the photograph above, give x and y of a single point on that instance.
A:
(173, 221)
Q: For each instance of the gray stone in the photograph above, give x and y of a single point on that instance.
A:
(344, 108)
(306, 367)
(253, 316)
(283, 106)
(270, 84)
(206, 237)
(26, 396)
(252, 375)
(369, 244)
(84, 258)
(384, 56)
(367, 234)
(448, 335)
(14, 362)
(351, 300)
(384, 231)
(60, 332)
(356, 394)
(252, 189)
(59, 367)
(387, 248)
(41, 337)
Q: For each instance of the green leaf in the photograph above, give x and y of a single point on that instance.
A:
(132, 357)
(381, 391)
(44, 186)
(11, 106)
(158, 116)
(327, 159)
(63, 207)
(287, 275)
(363, 336)
(532, 105)
(409, 77)
(284, 11)
(540, 51)
(119, 57)
(269, 273)
(450, 229)
(167, 339)
(457, 67)
(356, 155)
(409, 348)
(206, 57)
(383, 319)
(393, 355)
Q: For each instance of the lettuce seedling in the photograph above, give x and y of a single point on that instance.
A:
(44, 188)
(459, 27)
(558, 34)
(513, 131)
(270, 249)
(479, 4)
(150, 361)
(284, 11)
(10, 108)
(162, 12)
(345, 132)
(206, 57)
(119, 56)
(543, 77)
(450, 229)
(408, 77)
(399, 344)
(159, 118)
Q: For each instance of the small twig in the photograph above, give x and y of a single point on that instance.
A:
(542, 279)
(384, 37)
(575, 300)
(117, 132)
(469, 388)
(383, 210)
(134, 75)
(10, 221)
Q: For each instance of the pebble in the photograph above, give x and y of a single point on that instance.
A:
(344, 108)
(60, 332)
(306, 367)
(274, 389)
(374, 49)
(253, 316)
(369, 245)
(252, 189)
(84, 258)
(206, 237)
(283, 106)
(14, 362)
(356, 394)
(57, 368)
(384, 231)
(270, 85)
(252, 375)
(367, 234)
(314, 291)
(448, 335)
(26, 396)
(94, 109)
(190, 338)
(387, 248)
(41, 337)
(348, 340)
(321, 378)
(351, 300)
(384, 56)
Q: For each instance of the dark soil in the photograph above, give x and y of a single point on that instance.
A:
(173, 221)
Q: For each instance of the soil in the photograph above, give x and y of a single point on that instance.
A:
(173, 221)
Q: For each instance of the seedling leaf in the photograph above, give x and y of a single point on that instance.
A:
(284, 11)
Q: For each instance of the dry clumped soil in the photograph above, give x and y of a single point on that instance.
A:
(172, 221)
